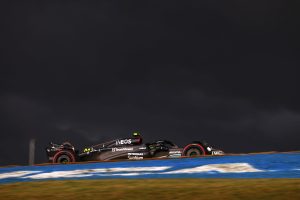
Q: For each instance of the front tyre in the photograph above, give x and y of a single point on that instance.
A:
(64, 157)
(193, 150)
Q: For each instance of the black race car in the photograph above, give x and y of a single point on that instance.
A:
(127, 148)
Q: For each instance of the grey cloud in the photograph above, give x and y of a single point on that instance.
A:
(89, 71)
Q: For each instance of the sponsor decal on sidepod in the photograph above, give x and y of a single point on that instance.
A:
(121, 149)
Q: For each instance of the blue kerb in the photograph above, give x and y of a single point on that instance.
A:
(281, 165)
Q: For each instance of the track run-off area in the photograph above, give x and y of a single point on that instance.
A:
(274, 165)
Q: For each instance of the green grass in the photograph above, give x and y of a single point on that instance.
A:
(154, 189)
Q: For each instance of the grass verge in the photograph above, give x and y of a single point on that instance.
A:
(154, 189)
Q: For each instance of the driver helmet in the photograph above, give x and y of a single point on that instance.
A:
(136, 134)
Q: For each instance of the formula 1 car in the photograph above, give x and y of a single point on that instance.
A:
(127, 148)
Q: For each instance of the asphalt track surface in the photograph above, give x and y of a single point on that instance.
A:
(276, 165)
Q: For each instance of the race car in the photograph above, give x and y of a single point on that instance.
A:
(127, 148)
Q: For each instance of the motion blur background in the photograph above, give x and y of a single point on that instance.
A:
(90, 71)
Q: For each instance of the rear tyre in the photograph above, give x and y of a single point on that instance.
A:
(64, 157)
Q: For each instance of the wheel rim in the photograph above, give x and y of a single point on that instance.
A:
(193, 154)
(63, 159)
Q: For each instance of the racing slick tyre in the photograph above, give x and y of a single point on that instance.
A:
(193, 150)
(64, 157)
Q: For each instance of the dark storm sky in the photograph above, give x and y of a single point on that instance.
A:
(89, 71)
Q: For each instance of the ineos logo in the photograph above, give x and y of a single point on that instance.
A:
(126, 141)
